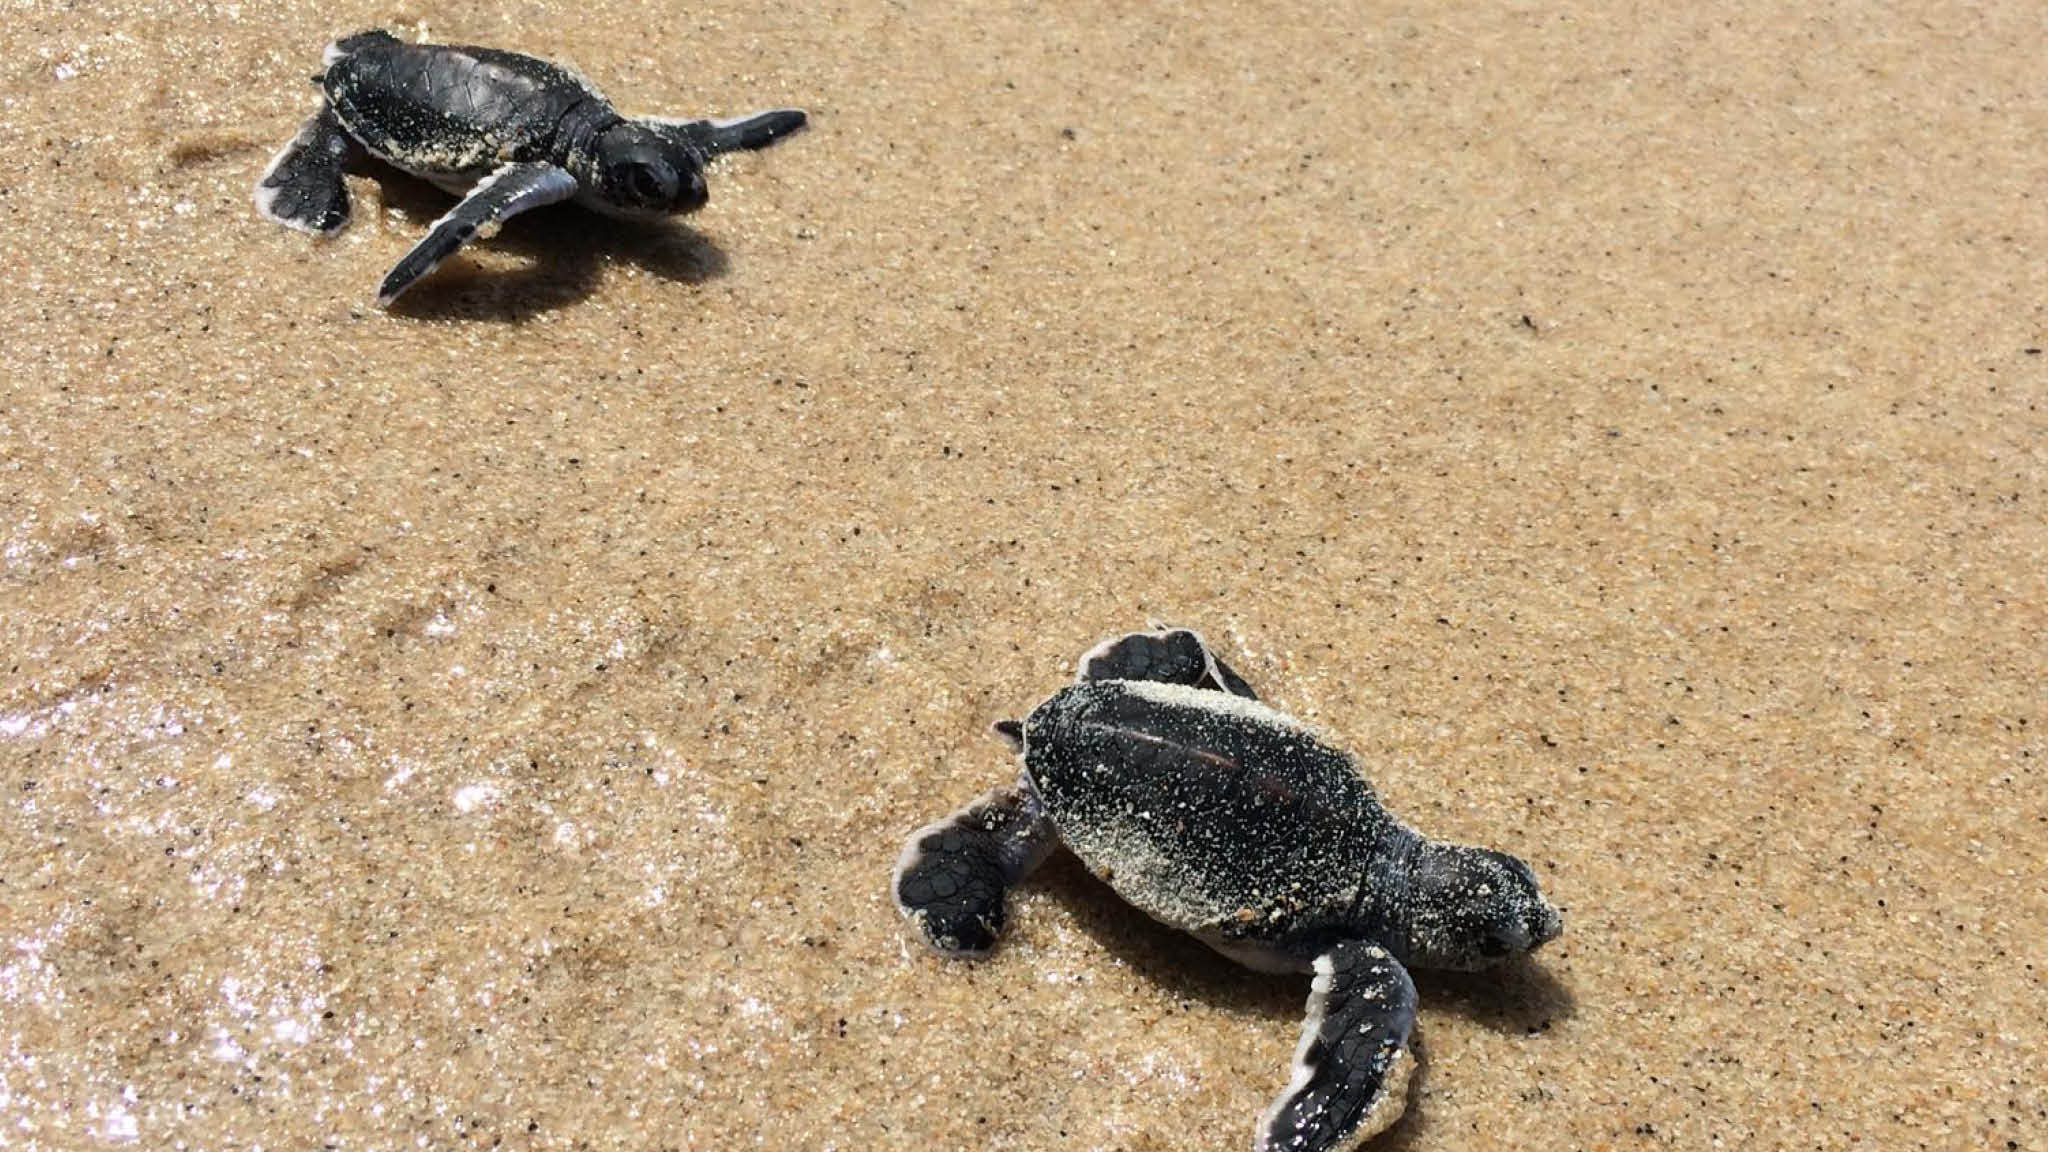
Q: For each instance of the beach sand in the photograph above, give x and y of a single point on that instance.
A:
(492, 724)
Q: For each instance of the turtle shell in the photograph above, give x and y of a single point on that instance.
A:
(1217, 815)
(449, 111)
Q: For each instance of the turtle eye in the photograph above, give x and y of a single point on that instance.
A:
(645, 184)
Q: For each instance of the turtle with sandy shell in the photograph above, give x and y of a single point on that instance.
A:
(509, 132)
(1228, 819)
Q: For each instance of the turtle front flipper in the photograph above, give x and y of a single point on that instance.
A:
(304, 188)
(497, 198)
(740, 134)
(1351, 1069)
(1167, 656)
(953, 875)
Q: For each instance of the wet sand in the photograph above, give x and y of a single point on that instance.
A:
(493, 723)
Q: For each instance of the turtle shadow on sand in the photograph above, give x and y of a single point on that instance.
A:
(564, 248)
(1519, 998)
(1174, 960)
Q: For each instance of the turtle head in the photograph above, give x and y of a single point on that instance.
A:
(1472, 908)
(641, 173)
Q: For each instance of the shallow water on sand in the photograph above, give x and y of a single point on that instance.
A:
(493, 723)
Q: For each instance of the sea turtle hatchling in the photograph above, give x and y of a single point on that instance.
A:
(511, 132)
(1228, 819)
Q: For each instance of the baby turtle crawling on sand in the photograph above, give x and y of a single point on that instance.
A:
(510, 131)
(1225, 818)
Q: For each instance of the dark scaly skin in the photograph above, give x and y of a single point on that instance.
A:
(1242, 827)
(456, 112)
(1352, 1064)
(305, 183)
(1168, 656)
(954, 874)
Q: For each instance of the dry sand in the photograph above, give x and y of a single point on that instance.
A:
(492, 724)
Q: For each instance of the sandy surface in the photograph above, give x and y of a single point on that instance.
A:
(492, 724)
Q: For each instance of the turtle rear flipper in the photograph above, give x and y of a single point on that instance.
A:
(498, 197)
(740, 134)
(953, 875)
(1167, 656)
(303, 188)
(1351, 1069)
(357, 42)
